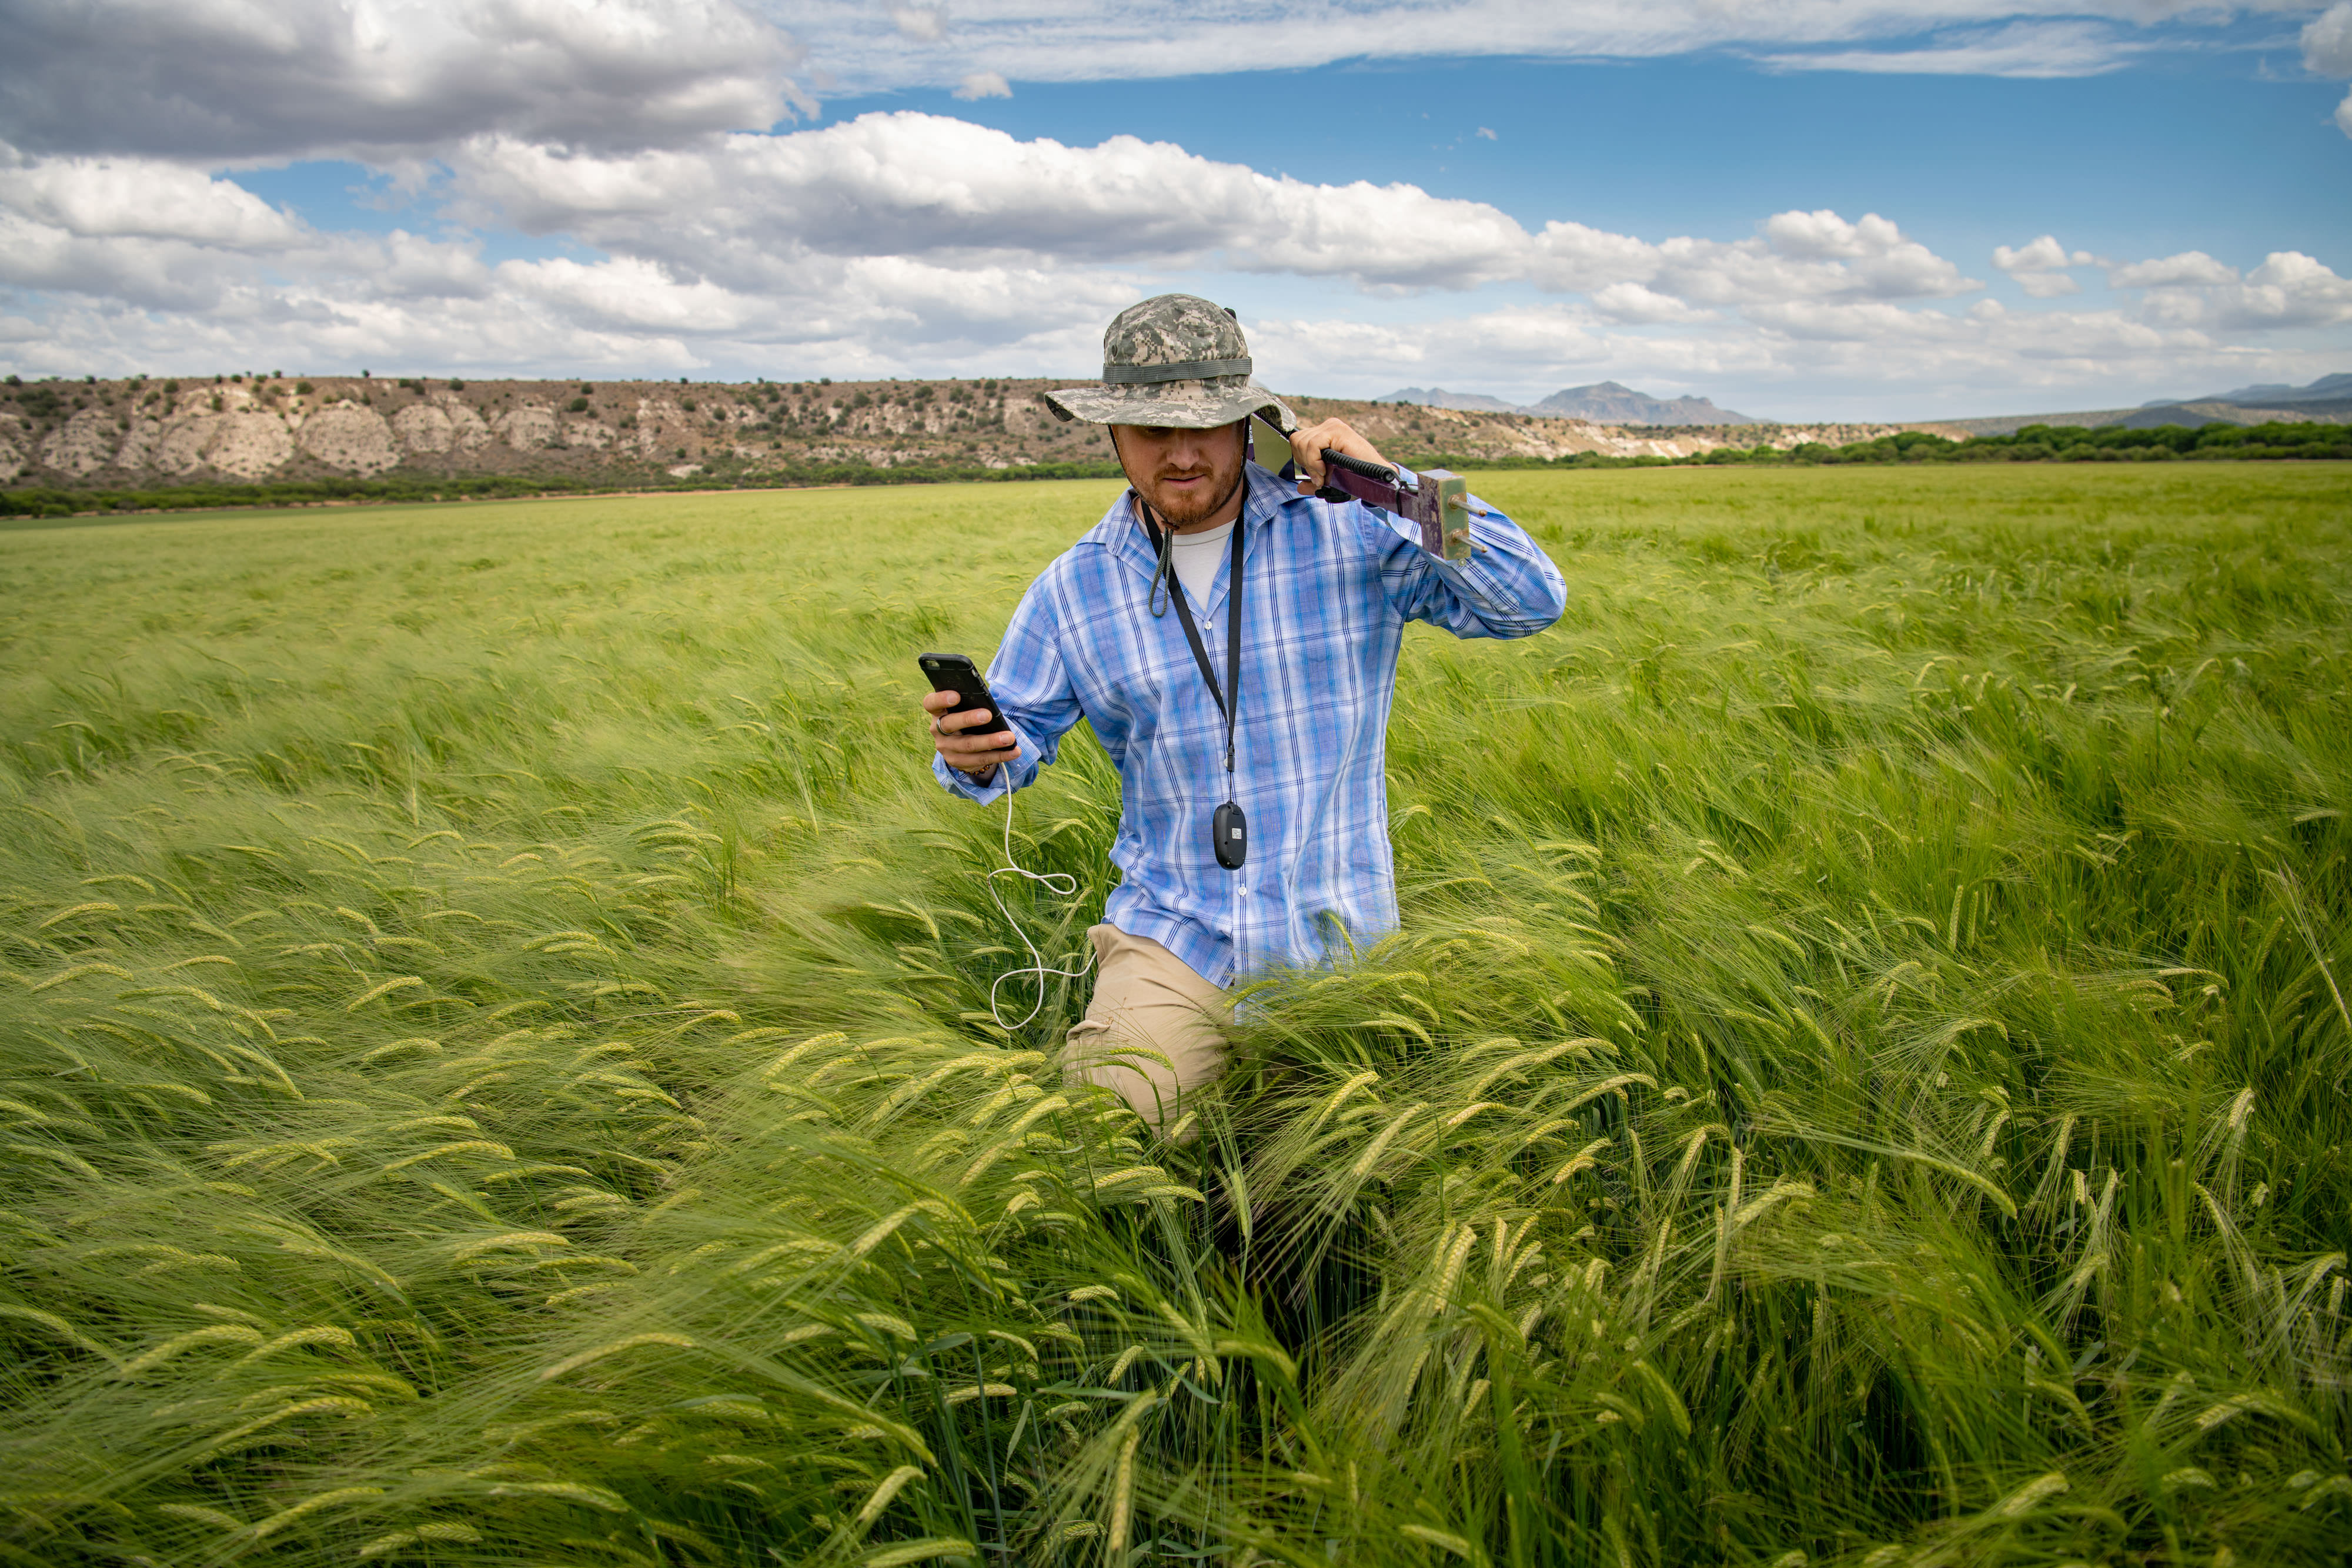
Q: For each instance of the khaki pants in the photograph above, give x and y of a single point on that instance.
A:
(1153, 1031)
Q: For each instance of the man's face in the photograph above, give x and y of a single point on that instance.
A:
(1189, 477)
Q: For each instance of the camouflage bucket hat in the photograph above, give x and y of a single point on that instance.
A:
(1177, 361)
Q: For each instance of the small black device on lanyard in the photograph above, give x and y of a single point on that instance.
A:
(1228, 828)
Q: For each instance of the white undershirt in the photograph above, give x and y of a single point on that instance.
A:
(1198, 556)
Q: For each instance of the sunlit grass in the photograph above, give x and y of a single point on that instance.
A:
(496, 1066)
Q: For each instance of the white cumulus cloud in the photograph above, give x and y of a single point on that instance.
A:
(983, 84)
(924, 185)
(141, 198)
(2289, 290)
(2191, 268)
(927, 23)
(1795, 256)
(1636, 302)
(2036, 266)
(2043, 254)
(919, 244)
(228, 79)
(2327, 41)
(1879, 356)
(2327, 50)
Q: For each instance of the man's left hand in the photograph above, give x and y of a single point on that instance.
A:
(1310, 440)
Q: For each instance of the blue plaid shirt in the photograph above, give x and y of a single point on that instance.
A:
(1329, 590)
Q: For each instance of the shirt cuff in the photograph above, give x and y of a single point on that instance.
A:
(957, 782)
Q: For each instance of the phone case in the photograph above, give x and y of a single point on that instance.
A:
(956, 673)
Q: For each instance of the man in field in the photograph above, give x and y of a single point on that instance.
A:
(1233, 641)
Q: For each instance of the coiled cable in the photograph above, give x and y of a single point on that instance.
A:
(1061, 885)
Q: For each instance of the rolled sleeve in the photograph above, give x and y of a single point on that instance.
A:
(1031, 683)
(1000, 783)
(1508, 587)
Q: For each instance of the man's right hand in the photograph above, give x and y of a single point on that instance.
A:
(976, 755)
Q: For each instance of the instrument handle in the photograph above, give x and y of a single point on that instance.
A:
(1335, 458)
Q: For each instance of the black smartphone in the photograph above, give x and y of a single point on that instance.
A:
(955, 673)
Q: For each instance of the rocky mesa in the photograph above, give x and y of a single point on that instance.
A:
(142, 433)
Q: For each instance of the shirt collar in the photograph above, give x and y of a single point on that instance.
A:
(1265, 497)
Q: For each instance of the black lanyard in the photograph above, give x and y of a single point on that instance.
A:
(1229, 831)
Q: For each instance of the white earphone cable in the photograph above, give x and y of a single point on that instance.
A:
(1061, 885)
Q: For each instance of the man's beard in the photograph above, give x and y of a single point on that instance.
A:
(1202, 506)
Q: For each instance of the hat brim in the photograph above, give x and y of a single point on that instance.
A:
(1176, 405)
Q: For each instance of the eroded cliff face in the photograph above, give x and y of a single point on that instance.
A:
(141, 434)
(132, 434)
(145, 434)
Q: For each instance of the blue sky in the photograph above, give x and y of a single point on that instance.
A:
(912, 190)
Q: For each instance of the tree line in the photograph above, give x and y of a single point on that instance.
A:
(2031, 444)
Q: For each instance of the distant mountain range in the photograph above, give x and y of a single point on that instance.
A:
(2328, 400)
(1603, 402)
(2332, 386)
(1438, 397)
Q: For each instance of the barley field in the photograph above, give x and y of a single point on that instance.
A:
(496, 1067)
